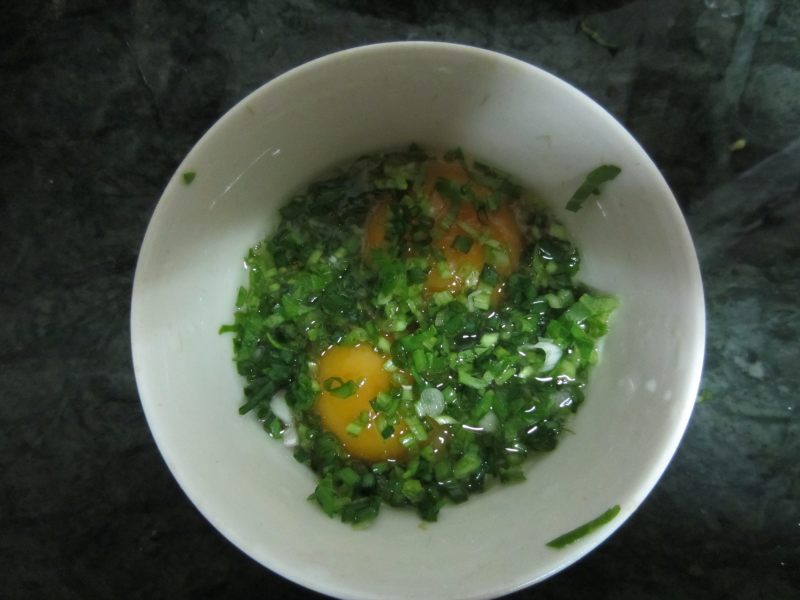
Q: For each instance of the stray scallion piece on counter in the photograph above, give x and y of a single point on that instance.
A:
(413, 329)
(591, 185)
(585, 529)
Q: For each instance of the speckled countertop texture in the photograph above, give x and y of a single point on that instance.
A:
(100, 100)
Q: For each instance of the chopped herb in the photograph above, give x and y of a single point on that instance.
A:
(462, 243)
(739, 144)
(357, 426)
(598, 39)
(591, 185)
(464, 403)
(188, 177)
(466, 465)
(585, 529)
(454, 192)
(489, 275)
(339, 388)
(704, 395)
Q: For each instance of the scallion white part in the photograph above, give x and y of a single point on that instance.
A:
(445, 420)
(489, 422)
(552, 354)
(279, 407)
(562, 398)
(430, 403)
(290, 437)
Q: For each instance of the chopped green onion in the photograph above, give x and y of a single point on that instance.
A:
(585, 529)
(314, 257)
(489, 275)
(480, 299)
(442, 298)
(408, 440)
(465, 366)
(417, 275)
(445, 420)
(430, 403)
(497, 256)
(471, 276)
(560, 299)
(330, 502)
(552, 354)
(383, 345)
(527, 372)
(591, 185)
(489, 340)
(348, 476)
(444, 269)
(474, 233)
(454, 192)
(598, 38)
(417, 428)
(339, 387)
(420, 359)
(466, 465)
(188, 177)
(466, 378)
(489, 422)
(355, 427)
(462, 243)
(413, 490)
(452, 214)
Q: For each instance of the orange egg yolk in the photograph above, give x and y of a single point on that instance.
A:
(499, 225)
(364, 366)
(375, 228)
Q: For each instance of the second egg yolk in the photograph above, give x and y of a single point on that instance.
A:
(500, 225)
(364, 366)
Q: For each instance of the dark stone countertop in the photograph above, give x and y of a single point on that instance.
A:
(100, 101)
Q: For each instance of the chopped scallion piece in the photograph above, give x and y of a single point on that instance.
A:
(462, 243)
(591, 185)
(585, 529)
(489, 275)
(466, 465)
(355, 427)
(340, 388)
(470, 380)
(473, 380)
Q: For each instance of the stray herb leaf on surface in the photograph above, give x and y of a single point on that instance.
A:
(591, 185)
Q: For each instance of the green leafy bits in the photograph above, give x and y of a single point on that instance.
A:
(591, 185)
(585, 529)
(339, 388)
(482, 375)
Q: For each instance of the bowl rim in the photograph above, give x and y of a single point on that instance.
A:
(330, 586)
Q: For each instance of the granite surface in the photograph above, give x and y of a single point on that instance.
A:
(100, 101)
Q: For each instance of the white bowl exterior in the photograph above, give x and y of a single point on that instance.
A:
(635, 245)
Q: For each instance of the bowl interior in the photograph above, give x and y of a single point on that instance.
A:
(634, 244)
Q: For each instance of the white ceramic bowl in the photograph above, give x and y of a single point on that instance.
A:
(635, 244)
